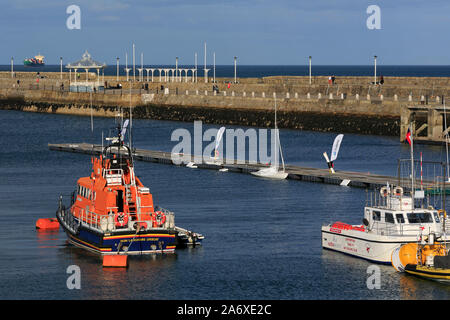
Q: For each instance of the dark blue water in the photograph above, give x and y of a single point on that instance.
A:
(276, 70)
(263, 237)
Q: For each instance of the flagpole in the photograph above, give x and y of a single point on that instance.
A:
(412, 167)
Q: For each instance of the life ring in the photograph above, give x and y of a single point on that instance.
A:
(121, 219)
(384, 191)
(398, 191)
(159, 218)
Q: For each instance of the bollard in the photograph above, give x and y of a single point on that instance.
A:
(263, 95)
(232, 93)
(206, 92)
(319, 95)
(296, 95)
(244, 94)
(381, 97)
(395, 97)
(224, 93)
(187, 92)
(368, 97)
(410, 98)
(308, 95)
(196, 92)
(330, 96)
(253, 94)
(287, 95)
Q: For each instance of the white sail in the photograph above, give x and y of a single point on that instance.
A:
(219, 137)
(124, 128)
(336, 146)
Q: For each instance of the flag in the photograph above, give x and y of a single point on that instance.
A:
(408, 136)
(336, 146)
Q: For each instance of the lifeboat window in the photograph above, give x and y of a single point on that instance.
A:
(419, 217)
(400, 218)
(389, 217)
(376, 215)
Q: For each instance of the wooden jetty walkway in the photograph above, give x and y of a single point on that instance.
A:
(345, 178)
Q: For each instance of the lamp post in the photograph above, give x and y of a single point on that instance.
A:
(375, 70)
(310, 78)
(12, 67)
(214, 67)
(195, 58)
(60, 67)
(205, 70)
(176, 69)
(235, 76)
(117, 71)
(134, 70)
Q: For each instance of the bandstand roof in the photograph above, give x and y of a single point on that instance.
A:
(86, 62)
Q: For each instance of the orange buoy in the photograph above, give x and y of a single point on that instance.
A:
(47, 223)
(115, 260)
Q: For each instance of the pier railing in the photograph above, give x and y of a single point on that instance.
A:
(300, 92)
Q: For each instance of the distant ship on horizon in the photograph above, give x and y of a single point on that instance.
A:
(36, 61)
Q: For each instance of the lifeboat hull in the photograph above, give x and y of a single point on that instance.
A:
(144, 242)
(126, 241)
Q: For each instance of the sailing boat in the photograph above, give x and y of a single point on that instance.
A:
(274, 172)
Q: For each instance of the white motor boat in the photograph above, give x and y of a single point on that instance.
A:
(386, 226)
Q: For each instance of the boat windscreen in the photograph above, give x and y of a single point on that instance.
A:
(419, 217)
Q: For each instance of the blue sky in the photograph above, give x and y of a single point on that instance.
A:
(282, 32)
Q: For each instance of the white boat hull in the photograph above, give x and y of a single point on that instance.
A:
(362, 244)
(271, 173)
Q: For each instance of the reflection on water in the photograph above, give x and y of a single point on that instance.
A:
(47, 238)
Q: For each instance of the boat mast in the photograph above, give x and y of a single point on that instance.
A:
(131, 123)
(277, 138)
(412, 167)
(276, 135)
(446, 141)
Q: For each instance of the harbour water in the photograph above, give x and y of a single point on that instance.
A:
(262, 238)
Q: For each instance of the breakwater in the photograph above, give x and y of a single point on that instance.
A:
(350, 105)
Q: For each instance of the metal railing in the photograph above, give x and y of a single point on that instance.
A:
(106, 222)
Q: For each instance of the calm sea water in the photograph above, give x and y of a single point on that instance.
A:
(276, 70)
(263, 237)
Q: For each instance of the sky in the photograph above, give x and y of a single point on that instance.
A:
(258, 32)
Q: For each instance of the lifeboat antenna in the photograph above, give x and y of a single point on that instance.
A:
(131, 122)
(92, 119)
